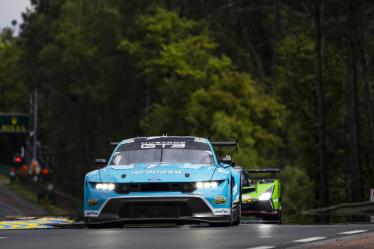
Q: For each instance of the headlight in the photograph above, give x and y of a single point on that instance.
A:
(265, 196)
(206, 185)
(105, 186)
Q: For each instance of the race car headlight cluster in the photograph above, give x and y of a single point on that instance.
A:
(200, 185)
(266, 195)
(105, 186)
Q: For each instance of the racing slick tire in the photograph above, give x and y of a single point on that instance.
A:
(237, 216)
(279, 217)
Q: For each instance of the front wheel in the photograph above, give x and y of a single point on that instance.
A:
(237, 216)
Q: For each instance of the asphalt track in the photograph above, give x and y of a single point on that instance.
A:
(253, 236)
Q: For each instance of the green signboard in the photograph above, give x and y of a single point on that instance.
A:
(14, 123)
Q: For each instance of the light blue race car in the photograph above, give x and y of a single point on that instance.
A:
(164, 179)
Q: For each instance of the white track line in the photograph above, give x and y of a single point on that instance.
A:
(3, 237)
(308, 239)
(354, 231)
(262, 247)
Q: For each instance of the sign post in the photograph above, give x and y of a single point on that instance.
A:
(372, 194)
(14, 123)
(34, 134)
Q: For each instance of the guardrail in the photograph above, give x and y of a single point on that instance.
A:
(353, 208)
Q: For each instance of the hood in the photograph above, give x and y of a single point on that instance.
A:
(157, 172)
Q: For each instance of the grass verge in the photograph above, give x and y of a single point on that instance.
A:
(22, 191)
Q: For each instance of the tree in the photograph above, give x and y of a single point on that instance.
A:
(322, 164)
(356, 183)
(199, 92)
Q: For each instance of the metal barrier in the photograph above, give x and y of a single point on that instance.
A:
(353, 208)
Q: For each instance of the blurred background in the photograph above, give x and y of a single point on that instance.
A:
(291, 80)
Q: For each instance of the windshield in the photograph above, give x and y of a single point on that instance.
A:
(163, 156)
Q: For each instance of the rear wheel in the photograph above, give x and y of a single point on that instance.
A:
(279, 216)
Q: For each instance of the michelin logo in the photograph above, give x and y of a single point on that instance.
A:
(221, 211)
(91, 213)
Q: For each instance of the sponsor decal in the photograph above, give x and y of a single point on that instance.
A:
(235, 190)
(92, 202)
(91, 213)
(146, 172)
(221, 211)
(155, 144)
(220, 199)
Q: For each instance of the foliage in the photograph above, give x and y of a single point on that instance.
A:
(13, 93)
(202, 93)
(296, 186)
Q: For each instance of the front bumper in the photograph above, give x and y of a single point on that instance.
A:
(259, 208)
(186, 209)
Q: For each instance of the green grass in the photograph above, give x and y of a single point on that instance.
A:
(23, 192)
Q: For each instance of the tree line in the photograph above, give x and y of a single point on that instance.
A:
(291, 80)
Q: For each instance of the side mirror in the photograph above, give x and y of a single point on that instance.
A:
(100, 163)
(226, 159)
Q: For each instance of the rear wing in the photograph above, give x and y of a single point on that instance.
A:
(226, 144)
(260, 174)
(215, 144)
(270, 170)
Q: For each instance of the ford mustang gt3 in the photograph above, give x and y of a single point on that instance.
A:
(164, 179)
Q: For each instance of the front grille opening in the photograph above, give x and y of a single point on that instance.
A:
(154, 210)
(155, 187)
(258, 206)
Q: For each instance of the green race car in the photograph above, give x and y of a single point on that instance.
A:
(261, 193)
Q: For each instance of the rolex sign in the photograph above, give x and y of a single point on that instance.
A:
(14, 123)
